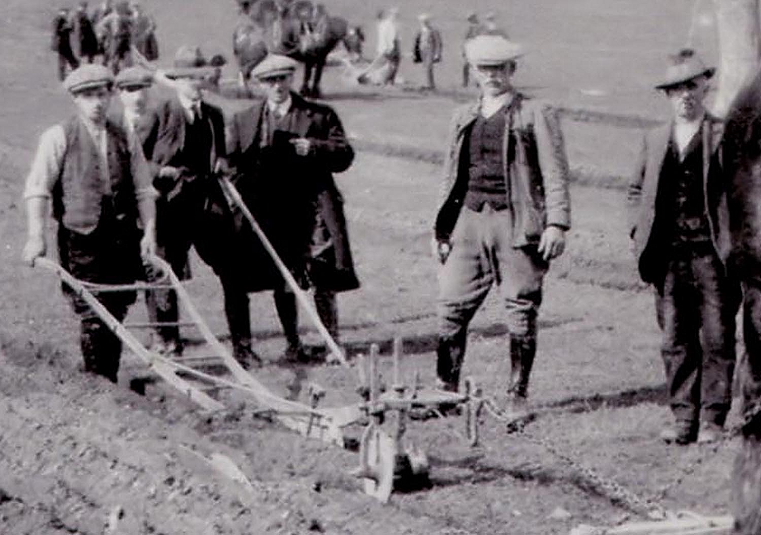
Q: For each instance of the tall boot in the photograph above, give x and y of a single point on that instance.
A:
(239, 322)
(327, 309)
(288, 312)
(450, 354)
(522, 353)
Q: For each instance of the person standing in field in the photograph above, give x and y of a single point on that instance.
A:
(87, 42)
(474, 29)
(61, 43)
(503, 215)
(680, 236)
(94, 174)
(427, 49)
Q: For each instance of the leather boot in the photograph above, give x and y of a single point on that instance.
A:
(522, 353)
(327, 309)
(450, 354)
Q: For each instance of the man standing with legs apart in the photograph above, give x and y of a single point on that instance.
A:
(284, 152)
(504, 213)
(95, 174)
(679, 227)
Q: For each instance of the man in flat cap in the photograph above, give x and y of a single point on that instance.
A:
(285, 151)
(503, 214)
(427, 49)
(183, 138)
(95, 174)
(680, 237)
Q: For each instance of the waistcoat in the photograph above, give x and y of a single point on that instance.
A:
(486, 180)
(80, 194)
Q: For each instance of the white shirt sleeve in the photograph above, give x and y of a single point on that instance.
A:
(47, 163)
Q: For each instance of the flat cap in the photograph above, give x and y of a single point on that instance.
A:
(274, 65)
(491, 50)
(134, 77)
(88, 76)
(189, 62)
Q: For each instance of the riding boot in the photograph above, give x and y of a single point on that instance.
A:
(287, 311)
(239, 322)
(522, 353)
(450, 354)
(101, 349)
(327, 309)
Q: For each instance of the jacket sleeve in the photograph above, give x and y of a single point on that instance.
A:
(232, 141)
(553, 163)
(147, 134)
(634, 190)
(333, 151)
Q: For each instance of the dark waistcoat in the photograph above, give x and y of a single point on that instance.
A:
(486, 180)
(80, 195)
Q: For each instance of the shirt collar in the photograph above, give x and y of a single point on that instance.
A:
(490, 105)
(281, 108)
(189, 105)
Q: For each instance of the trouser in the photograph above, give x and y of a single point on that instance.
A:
(482, 255)
(66, 59)
(696, 306)
(430, 83)
(105, 257)
(751, 369)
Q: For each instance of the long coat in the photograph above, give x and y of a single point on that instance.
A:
(192, 208)
(646, 183)
(536, 179)
(290, 200)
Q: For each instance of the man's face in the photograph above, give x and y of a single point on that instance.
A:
(190, 88)
(277, 87)
(92, 104)
(687, 98)
(134, 99)
(494, 79)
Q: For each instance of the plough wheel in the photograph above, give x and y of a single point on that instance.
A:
(380, 455)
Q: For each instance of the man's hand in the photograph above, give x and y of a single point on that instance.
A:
(302, 145)
(441, 250)
(35, 248)
(147, 245)
(552, 242)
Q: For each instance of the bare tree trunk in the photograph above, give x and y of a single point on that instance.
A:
(738, 23)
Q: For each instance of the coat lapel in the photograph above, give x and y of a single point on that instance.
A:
(659, 143)
(302, 116)
(248, 125)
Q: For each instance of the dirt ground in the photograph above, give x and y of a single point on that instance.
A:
(81, 456)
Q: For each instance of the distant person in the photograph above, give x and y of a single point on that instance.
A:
(389, 43)
(144, 33)
(503, 215)
(117, 27)
(183, 139)
(474, 29)
(680, 235)
(133, 85)
(103, 9)
(354, 43)
(94, 174)
(61, 43)
(87, 41)
(492, 27)
(427, 49)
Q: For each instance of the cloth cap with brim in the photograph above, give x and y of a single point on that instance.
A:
(274, 65)
(189, 62)
(684, 66)
(89, 76)
(134, 77)
(491, 50)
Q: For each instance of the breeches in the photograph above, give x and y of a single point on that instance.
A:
(482, 255)
(696, 307)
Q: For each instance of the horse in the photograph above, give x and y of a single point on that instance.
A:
(287, 28)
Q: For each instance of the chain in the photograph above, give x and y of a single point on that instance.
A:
(605, 486)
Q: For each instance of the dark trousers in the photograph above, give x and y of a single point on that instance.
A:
(104, 256)
(751, 370)
(66, 59)
(696, 306)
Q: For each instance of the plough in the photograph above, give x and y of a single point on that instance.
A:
(386, 458)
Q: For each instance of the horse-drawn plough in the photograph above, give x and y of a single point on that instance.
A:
(387, 460)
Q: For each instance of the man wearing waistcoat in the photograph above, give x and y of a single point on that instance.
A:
(679, 227)
(285, 151)
(183, 137)
(504, 213)
(95, 174)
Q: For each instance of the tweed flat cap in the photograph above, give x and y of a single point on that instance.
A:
(189, 62)
(134, 77)
(491, 50)
(684, 66)
(274, 65)
(89, 76)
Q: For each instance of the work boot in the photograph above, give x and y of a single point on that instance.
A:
(450, 354)
(710, 432)
(682, 432)
(327, 309)
(522, 353)
(245, 355)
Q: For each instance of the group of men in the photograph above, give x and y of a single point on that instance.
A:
(502, 218)
(109, 31)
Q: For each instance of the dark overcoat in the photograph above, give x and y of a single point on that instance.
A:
(297, 195)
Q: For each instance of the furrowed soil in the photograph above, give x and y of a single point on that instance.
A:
(79, 455)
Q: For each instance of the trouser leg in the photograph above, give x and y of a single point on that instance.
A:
(751, 370)
(678, 318)
(327, 308)
(464, 281)
(238, 317)
(719, 296)
(287, 311)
